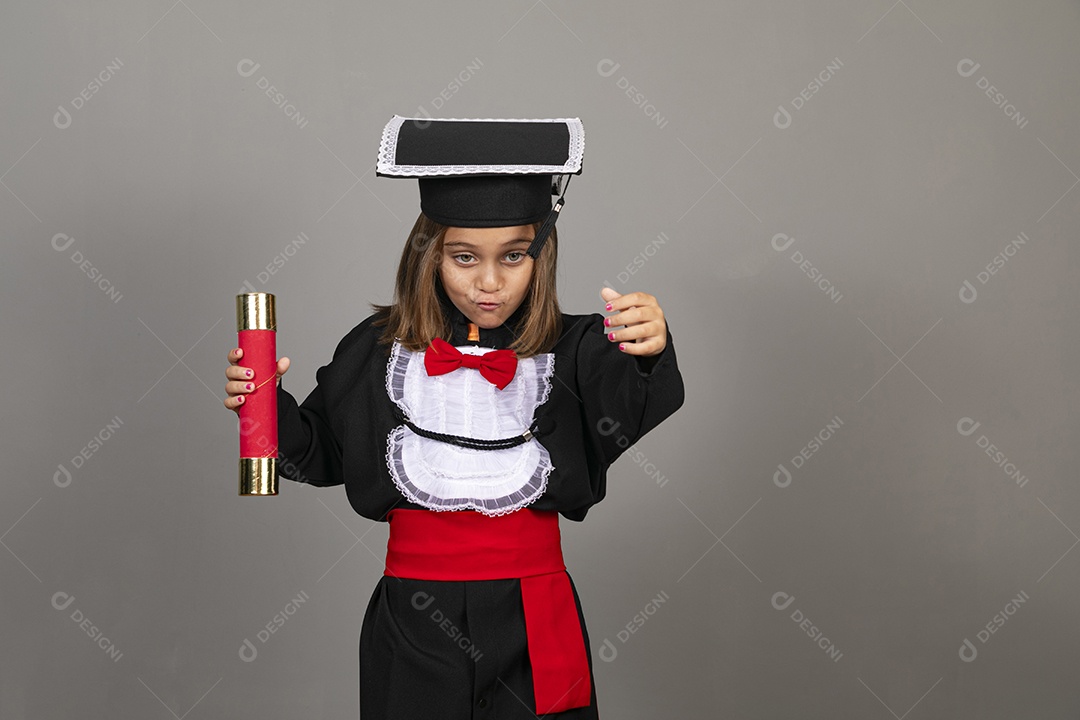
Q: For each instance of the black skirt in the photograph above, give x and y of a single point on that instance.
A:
(451, 650)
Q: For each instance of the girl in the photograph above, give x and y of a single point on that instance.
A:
(469, 414)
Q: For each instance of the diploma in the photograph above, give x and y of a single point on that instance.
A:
(256, 328)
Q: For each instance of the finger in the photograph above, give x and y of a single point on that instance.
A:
(236, 387)
(612, 299)
(631, 300)
(235, 354)
(628, 317)
(234, 403)
(634, 332)
(608, 294)
(648, 346)
(239, 372)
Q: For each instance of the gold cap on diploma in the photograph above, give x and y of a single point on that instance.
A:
(258, 476)
(255, 311)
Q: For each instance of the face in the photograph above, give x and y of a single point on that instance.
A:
(487, 265)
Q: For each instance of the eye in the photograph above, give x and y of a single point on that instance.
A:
(461, 255)
(516, 252)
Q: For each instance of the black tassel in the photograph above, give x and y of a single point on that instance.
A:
(545, 229)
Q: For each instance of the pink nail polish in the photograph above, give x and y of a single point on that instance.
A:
(611, 336)
(248, 373)
(621, 346)
(607, 321)
(248, 386)
(608, 306)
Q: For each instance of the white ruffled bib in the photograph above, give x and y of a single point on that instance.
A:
(443, 476)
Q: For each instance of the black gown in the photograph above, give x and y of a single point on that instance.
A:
(457, 649)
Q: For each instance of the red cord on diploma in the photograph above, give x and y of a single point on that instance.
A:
(256, 328)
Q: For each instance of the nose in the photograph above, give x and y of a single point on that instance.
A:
(489, 279)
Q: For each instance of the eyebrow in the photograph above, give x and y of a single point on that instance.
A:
(460, 243)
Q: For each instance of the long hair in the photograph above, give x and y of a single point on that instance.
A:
(416, 316)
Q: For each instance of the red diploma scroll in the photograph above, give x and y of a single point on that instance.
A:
(256, 329)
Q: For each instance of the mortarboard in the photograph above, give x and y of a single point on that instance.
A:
(486, 172)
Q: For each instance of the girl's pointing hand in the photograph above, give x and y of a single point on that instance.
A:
(643, 318)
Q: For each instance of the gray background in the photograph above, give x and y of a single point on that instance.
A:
(819, 268)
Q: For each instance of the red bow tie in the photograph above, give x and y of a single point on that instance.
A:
(498, 366)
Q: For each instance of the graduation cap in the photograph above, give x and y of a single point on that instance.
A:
(486, 172)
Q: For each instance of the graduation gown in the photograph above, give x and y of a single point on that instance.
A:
(463, 654)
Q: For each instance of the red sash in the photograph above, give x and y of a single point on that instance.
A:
(468, 545)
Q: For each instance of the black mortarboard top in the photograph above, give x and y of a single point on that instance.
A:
(485, 172)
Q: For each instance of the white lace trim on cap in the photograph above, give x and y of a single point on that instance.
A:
(444, 476)
(387, 164)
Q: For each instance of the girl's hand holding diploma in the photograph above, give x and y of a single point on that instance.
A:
(242, 380)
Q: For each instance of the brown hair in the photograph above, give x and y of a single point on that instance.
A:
(416, 316)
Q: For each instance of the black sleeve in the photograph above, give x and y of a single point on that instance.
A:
(623, 396)
(309, 449)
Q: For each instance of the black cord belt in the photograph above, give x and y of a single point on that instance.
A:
(474, 443)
